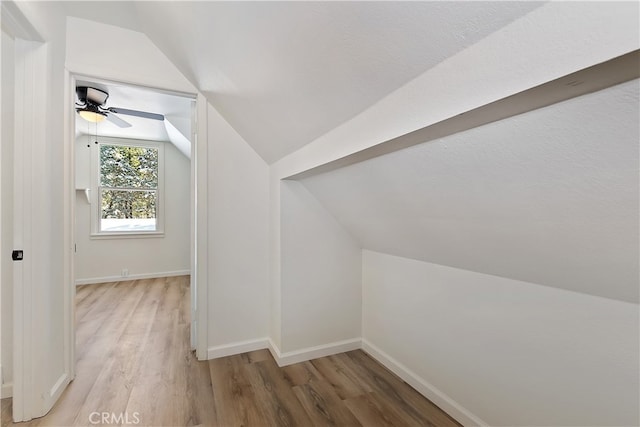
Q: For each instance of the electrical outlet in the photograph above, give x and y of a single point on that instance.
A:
(125, 272)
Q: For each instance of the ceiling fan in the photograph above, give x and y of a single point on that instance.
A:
(91, 107)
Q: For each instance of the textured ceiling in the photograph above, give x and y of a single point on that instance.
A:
(549, 197)
(284, 73)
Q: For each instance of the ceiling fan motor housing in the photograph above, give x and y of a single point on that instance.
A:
(90, 95)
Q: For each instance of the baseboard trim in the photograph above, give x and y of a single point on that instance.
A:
(429, 391)
(297, 356)
(6, 390)
(237, 348)
(107, 279)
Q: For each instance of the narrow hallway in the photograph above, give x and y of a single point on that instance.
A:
(134, 367)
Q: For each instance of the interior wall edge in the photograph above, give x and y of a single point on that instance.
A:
(598, 77)
(489, 275)
(310, 353)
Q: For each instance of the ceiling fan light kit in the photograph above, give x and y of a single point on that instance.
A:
(91, 116)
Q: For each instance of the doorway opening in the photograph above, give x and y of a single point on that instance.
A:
(134, 237)
(134, 210)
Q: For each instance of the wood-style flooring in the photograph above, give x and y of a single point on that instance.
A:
(134, 364)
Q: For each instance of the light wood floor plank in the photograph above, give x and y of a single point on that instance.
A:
(370, 412)
(396, 391)
(234, 397)
(134, 359)
(5, 413)
(274, 396)
(323, 405)
(112, 388)
(256, 356)
(300, 373)
(86, 297)
(96, 339)
(340, 376)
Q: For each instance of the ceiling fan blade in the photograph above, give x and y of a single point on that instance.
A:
(137, 113)
(118, 121)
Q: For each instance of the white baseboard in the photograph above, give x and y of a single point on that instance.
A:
(283, 359)
(107, 279)
(297, 356)
(445, 403)
(237, 348)
(6, 391)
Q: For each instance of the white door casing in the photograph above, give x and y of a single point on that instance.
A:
(192, 229)
(200, 156)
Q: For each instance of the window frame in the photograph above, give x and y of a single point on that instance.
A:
(96, 199)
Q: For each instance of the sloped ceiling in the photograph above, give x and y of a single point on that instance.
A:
(122, 14)
(550, 197)
(284, 73)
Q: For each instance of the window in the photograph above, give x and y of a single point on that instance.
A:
(128, 189)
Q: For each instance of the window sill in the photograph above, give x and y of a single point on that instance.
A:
(127, 235)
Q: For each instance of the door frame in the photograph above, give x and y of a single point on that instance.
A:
(198, 208)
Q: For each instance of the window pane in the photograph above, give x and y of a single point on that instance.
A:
(128, 210)
(128, 166)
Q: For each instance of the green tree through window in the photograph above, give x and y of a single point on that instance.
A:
(128, 187)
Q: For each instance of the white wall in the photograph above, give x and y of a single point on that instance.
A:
(99, 260)
(320, 274)
(510, 352)
(6, 215)
(548, 197)
(238, 243)
(551, 41)
(122, 55)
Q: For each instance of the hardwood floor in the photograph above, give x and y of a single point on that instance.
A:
(134, 365)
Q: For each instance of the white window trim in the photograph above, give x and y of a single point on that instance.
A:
(95, 185)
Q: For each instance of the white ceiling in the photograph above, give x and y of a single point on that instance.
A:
(284, 73)
(136, 98)
(550, 197)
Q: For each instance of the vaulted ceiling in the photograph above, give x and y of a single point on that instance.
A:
(284, 73)
(549, 197)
